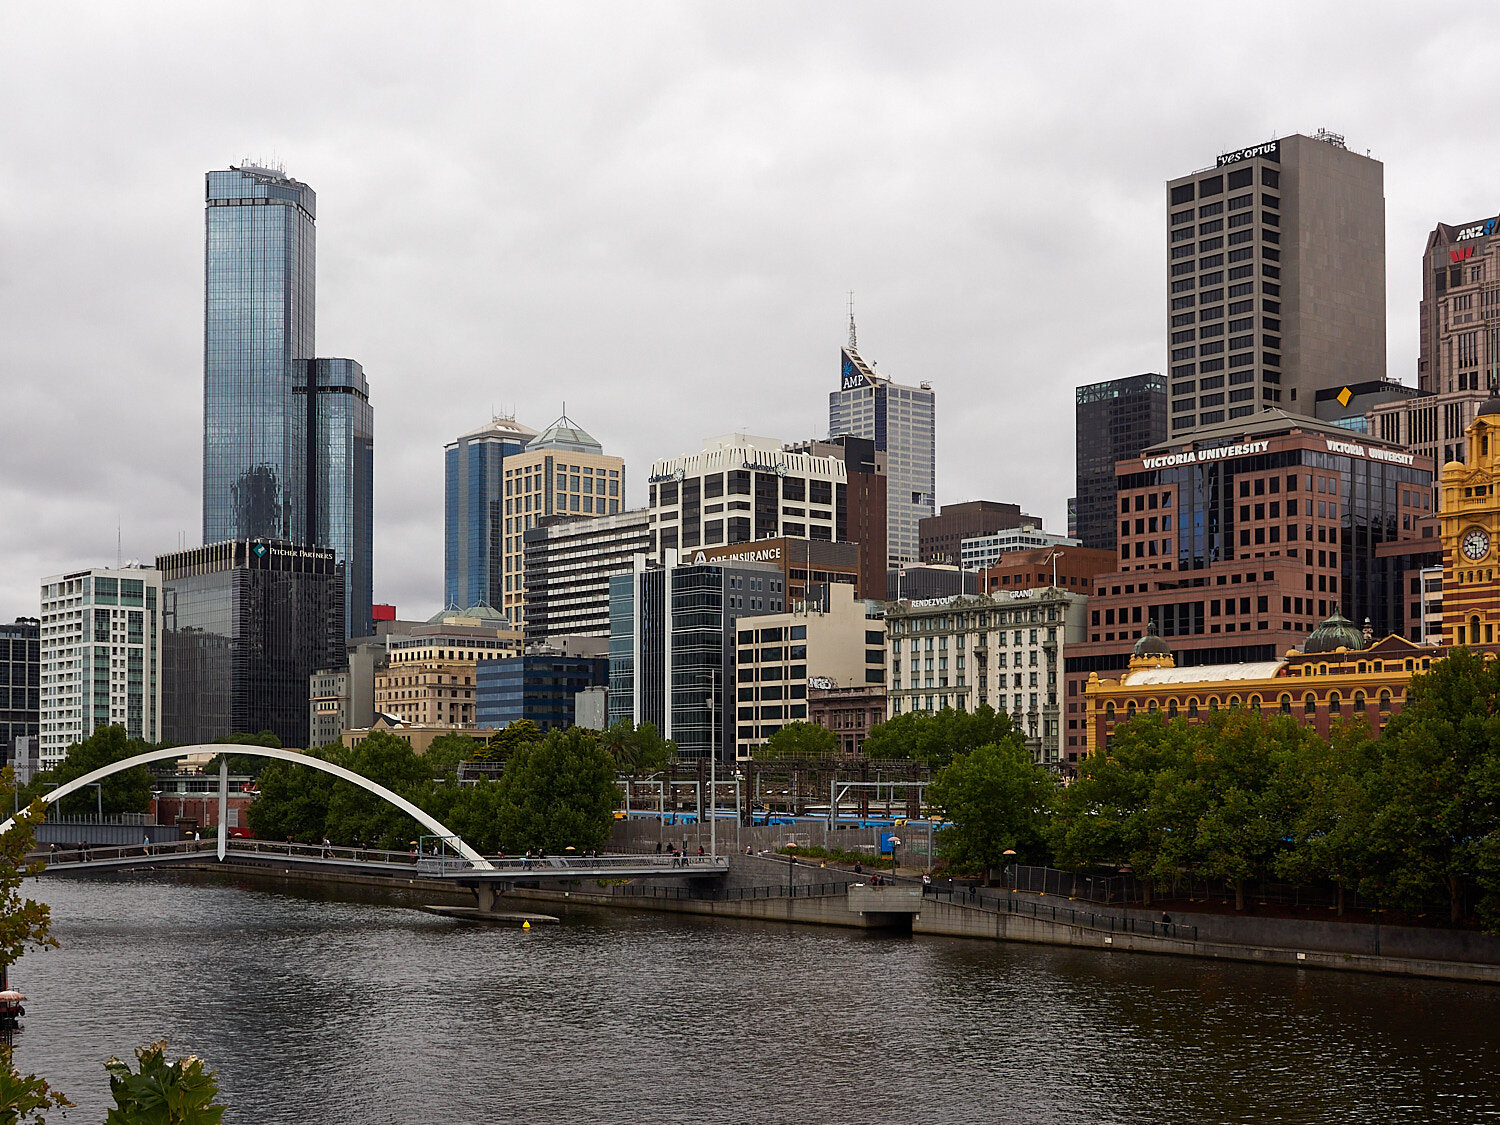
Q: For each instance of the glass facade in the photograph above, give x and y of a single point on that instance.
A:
(340, 474)
(902, 422)
(246, 623)
(1113, 421)
(20, 680)
(288, 439)
(259, 293)
(540, 688)
(473, 512)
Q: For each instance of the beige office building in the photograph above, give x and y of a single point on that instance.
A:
(834, 641)
(1276, 280)
(428, 677)
(562, 471)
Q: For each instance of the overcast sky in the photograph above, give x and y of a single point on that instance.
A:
(655, 212)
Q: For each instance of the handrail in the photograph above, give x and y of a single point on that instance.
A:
(1086, 919)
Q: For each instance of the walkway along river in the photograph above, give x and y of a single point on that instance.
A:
(341, 1008)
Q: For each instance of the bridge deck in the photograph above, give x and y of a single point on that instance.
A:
(451, 867)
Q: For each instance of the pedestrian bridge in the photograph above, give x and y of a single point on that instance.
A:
(432, 860)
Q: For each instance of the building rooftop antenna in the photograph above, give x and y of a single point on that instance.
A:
(853, 340)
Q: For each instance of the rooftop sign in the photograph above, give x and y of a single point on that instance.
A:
(1271, 150)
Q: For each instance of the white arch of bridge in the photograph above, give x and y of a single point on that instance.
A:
(296, 758)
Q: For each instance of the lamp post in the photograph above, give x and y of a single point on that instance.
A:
(791, 862)
(895, 843)
(1013, 873)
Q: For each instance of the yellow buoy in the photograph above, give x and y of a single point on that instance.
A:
(525, 925)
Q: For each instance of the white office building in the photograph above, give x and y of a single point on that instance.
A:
(101, 657)
(979, 551)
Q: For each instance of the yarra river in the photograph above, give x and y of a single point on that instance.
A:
(327, 1009)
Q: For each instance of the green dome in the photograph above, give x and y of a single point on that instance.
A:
(1151, 644)
(1335, 633)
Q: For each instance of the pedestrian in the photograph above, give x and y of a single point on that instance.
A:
(859, 868)
(1166, 919)
(53, 858)
(83, 851)
(146, 844)
(700, 851)
(658, 847)
(926, 881)
(196, 838)
(326, 846)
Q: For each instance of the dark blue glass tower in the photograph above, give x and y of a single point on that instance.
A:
(288, 439)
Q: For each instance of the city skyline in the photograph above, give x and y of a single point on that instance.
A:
(474, 285)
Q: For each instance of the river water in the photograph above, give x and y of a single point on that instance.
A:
(319, 1009)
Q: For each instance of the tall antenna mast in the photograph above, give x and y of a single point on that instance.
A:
(853, 341)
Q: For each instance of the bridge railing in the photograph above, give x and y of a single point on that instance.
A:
(553, 863)
(94, 853)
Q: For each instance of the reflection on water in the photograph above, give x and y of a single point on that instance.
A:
(318, 1008)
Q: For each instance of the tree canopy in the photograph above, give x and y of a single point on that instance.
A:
(997, 800)
(799, 740)
(935, 737)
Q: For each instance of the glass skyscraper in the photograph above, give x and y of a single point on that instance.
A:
(473, 493)
(901, 421)
(288, 439)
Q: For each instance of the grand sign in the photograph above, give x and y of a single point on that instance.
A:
(1271, 150)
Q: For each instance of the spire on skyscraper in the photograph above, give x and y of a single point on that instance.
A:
(853, 340)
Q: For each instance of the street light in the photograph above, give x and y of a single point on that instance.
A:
(895, 843)
(1013, 872)
(791, 862)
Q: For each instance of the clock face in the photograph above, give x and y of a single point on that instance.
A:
(1476, 545)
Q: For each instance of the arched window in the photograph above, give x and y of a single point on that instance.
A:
(1286, 704)
(1171, 708)
(1385, 700)
(1359, 702)
(1309, 705)
(1192, 708)
(1213, 703)
(1130, 709)
(1255, 704)
(1411, 666)
(1153, 706)
(1334, 703)
(1234, 702)
(1109, 711)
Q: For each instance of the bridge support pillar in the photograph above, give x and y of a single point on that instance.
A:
(485, 893)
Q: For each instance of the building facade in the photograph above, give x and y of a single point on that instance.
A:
(1458, 354)
(1276, 279)
(850, 713)
(1112, 421)
(101, 652)
(1072, 568)
(541, 686)
(1470, 529)
(562, 471)
(1237, 542)
(245, 624)
(902, 422)
(940, 538)
(1006, 652)
(807, 565)
(981, 551)
(288, 439)
(862, 518)
(1317, 688)
(740, 489)
(428, 677)
(672, 636)
(20, 681)
(569, 562)
(836, 641)
(473, 499)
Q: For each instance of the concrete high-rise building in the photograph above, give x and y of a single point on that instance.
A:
(941, 536)
(288, 439)
(569, 562)
(246, 623)
(101, 654)
(1458, 356)
(1276, 278)
(901, 421)
(562, 471)
(474, 511)
(1112, 421)
(741, 489)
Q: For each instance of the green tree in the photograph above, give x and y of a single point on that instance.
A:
(799, 740)
(1434, 821)
(245, 764)
(1324, 795)
(159, 1093)
(125, 792)
(997, 800)
(935, 737)
(557, 792)
(24, 924)
(637, 749)
(291, 802)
